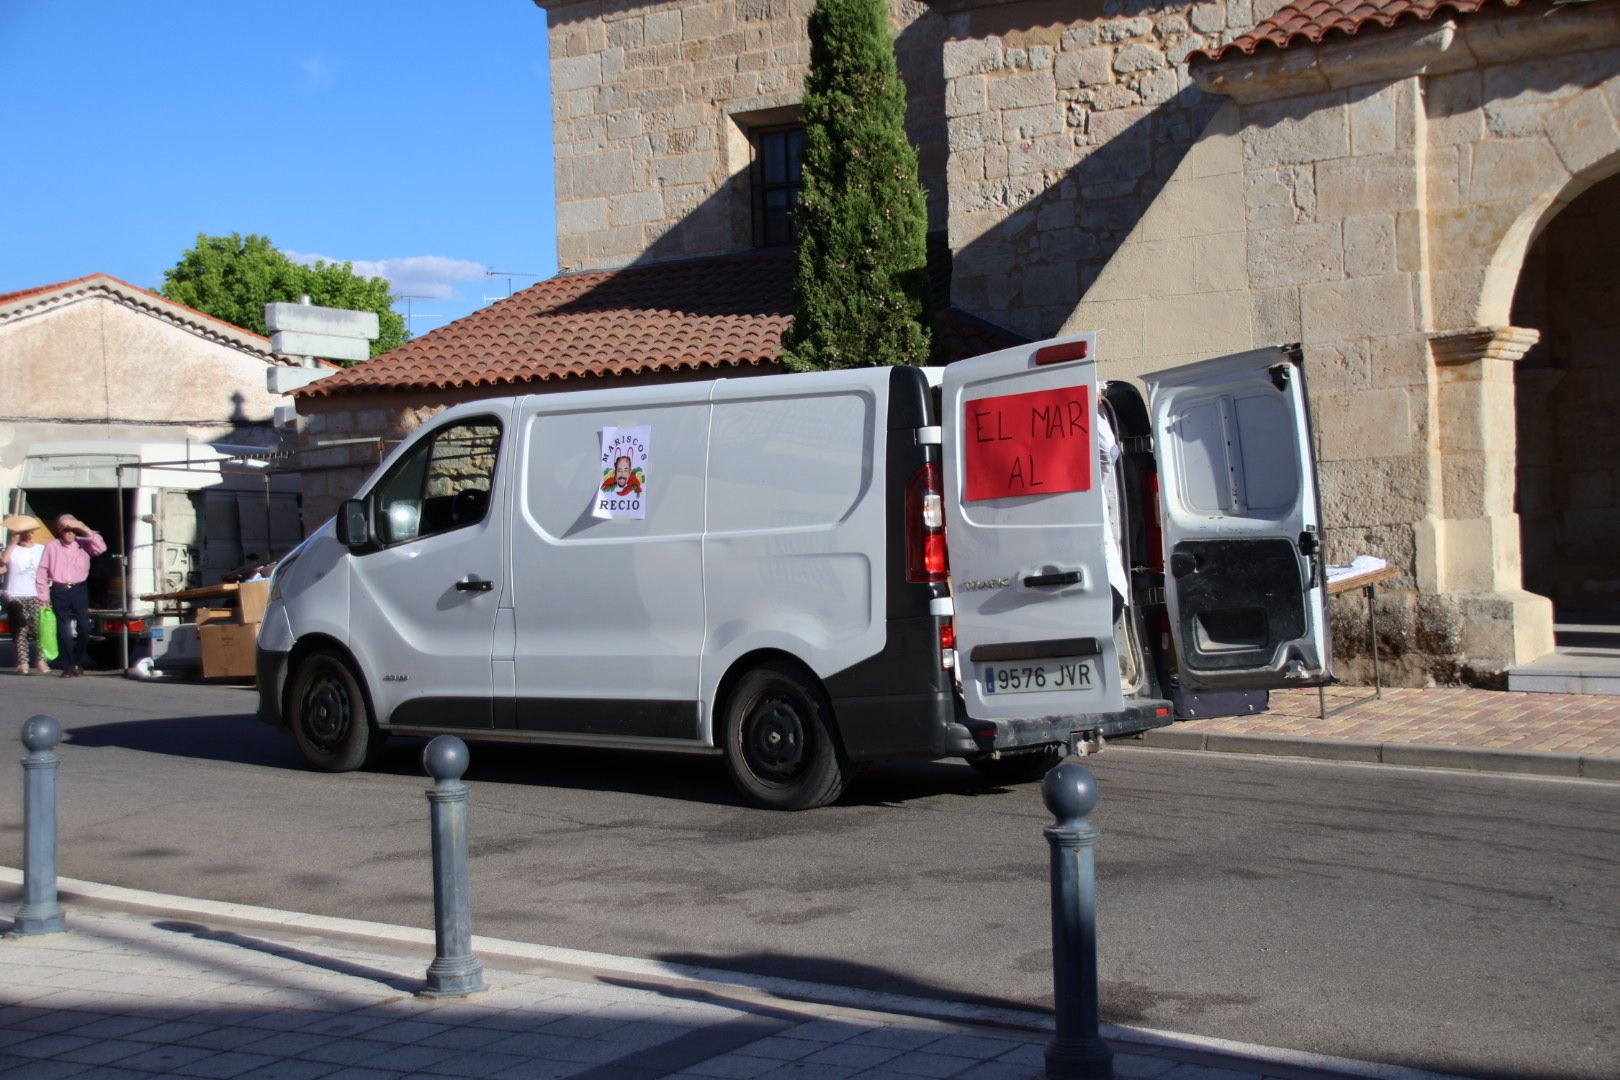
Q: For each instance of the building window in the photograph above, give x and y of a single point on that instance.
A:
(778, 181)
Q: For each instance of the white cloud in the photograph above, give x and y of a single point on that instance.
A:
(431, 276)
(317, 73)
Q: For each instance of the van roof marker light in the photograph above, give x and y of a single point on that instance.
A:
(1062, 353)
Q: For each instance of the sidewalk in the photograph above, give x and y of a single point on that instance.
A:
(145, 985)
(1574, 735)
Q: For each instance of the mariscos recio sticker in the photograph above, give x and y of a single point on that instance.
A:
(623, 490)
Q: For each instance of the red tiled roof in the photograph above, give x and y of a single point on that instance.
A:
(1314, 20)
(697, 314)
(89, 281)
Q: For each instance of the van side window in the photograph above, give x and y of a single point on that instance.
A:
(443, 483)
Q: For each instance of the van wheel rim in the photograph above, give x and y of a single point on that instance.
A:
(327, 713)
(773, 739)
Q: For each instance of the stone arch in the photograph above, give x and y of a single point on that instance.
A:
(1567, 399)
(1502, 272)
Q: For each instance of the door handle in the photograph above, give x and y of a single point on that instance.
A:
(1046, 581)
(472, 584)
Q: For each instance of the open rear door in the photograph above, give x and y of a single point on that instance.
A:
(1242, 528)
(1024, 522)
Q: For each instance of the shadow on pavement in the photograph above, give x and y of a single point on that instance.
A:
(242, 738)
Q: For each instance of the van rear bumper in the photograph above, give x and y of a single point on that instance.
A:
(1028, 734)
(938, 726)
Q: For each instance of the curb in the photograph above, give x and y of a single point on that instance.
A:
(1411, 755)
(1198, 1050)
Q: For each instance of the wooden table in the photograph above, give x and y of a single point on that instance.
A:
(1368, 582)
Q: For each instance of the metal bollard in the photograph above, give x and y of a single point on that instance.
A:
(454, 971)
(40, 912)
(1077, 1052)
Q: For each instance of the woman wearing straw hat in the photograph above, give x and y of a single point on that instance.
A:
(20, 563)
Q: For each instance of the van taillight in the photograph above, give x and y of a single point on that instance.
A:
(1153, 531)
(134, 626)
(926, 560)
(947, 645)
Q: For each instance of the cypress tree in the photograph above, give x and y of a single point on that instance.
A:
(860, 289)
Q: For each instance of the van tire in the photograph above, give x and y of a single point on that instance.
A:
(1022, 768)
(779, 744)
(328, 715)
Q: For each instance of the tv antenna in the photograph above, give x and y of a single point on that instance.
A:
(508, 275)
(409, 314)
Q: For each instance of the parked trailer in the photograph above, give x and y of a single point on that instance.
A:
(175, 515)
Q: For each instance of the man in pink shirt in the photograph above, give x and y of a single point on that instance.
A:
(63, 570)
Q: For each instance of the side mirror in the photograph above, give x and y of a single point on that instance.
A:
(353, 526)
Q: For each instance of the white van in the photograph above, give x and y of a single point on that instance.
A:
(807, 573)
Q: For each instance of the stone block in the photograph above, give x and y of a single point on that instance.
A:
(1469, 236)
(1369, 245)
(1139, 57)
(1033, 122)
(635, 208)
(973, 132)
(1085, 67)
(1021, 91)
(1344, 310)
(1275, 316)
(705, 22)
(576, 73)
(1516, 169)
(1199, 325)
(1400, 359)
(1078, 37)
(610, 173)
(1208, 18)
(1295, 255)
(1158, 87)
(1443, 176)
(1365, 424)
(661, 27)
(1048, 286)
(1584, 134)
(1125, 29)
(1339, 368)
(684, 168)
(1372, 121)
(1296, 131)
(1275, 197)
(1382, 183)
(1371, 491)
(974, 56)
(1453, 105)
(582, 216)
(965, 96)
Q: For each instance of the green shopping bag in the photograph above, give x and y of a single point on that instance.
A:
(47, 633)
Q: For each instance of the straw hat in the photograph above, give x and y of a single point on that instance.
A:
(21, 523)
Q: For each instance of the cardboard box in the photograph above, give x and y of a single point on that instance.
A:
(251, 599)
(227, 649)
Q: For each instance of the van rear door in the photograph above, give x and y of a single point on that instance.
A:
(1025, 527)
(1244, 579)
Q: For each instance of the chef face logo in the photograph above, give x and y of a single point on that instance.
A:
(622, 491)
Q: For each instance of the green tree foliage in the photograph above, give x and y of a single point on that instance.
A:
(860, 290)
(233, 277)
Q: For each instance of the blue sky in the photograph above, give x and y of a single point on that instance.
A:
(410, 137)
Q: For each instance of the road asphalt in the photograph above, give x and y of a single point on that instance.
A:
(144, 984)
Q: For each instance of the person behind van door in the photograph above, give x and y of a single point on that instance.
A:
(63, 570)
(1108, 459)
(20, 565)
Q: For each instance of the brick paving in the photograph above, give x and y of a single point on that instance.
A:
(1443, 716)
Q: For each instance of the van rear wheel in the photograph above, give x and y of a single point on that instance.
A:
(778, 743)
(327, 712)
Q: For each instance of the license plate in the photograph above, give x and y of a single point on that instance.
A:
(1036, 676)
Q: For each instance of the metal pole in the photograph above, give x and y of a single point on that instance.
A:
(124, 593)
(1372, 638)
(40, 912)
(454, 972)
(1077, 1051)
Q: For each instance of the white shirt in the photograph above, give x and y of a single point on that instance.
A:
(1107, 457)
(21, 569)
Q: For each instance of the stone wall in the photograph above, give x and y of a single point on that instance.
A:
(651, 105)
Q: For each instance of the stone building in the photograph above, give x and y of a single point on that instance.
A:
(99, 358)
(1419, 191)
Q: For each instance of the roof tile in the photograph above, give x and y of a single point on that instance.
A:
(696, 314)
(1314, 20)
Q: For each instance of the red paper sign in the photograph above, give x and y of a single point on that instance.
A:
(1028, 444)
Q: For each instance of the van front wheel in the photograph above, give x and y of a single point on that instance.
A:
(779, 749)
(328, 715)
